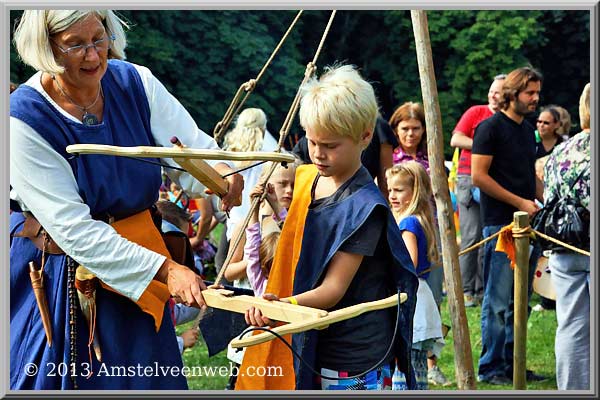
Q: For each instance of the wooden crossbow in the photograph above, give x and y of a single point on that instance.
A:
(192, 160)
(299, 318)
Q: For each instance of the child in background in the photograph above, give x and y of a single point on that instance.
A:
(335, 251)
(410, 199)
(262, 233)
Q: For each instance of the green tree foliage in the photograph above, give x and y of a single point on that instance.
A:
(202, 57)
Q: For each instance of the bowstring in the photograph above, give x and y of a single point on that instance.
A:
(248, 87)
(283, 133)
(295, 353)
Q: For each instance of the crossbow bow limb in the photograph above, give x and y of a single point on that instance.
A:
(301, 318)
(190, 159)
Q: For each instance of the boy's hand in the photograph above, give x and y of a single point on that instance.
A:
(254, 316)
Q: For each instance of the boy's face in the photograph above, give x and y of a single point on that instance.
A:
(283, 184)
(334, 155)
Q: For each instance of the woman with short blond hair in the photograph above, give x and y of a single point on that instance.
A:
(83, 92)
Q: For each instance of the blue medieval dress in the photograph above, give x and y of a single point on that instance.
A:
(134, 354)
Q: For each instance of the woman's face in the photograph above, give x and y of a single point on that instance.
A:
(547, 125)
(82, 71)
(410, 133)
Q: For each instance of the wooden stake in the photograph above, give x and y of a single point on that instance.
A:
(521, 220)
(463, 359)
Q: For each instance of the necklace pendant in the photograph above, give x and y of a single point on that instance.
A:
(89, 119)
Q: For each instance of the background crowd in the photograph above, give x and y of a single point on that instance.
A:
(515, 154)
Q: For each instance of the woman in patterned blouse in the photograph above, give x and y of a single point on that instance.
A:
(567, 174)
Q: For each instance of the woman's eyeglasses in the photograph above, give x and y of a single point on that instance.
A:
(539, 121)
(101, 46)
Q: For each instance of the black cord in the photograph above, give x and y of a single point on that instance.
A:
(143, 160)
(245, 168)
(278, 336)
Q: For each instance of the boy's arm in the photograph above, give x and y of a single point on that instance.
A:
(236, 270)
(204, 223)
(238, 252)
(340, 272)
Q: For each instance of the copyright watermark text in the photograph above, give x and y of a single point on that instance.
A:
(154, 370)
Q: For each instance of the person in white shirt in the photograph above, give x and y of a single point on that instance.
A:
(84, 93)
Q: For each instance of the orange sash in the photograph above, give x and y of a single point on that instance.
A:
(281, 283)
(140, 229)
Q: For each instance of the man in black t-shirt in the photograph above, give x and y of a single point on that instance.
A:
(503, 167)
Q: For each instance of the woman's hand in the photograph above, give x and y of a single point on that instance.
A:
(234, 195)
(254, 316)
(183, 284)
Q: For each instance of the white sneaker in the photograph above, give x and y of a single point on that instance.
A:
(436, 377)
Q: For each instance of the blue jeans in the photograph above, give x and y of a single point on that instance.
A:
(570, 277)
(497, 309)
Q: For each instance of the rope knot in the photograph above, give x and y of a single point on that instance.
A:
(521, 232)
(310, 69)
(250, 85)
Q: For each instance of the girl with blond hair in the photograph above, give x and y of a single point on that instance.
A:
(410, 200)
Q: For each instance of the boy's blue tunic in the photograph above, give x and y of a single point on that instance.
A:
(115, 185)
(331, 226)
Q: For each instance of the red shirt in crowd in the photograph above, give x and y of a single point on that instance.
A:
(466, 125)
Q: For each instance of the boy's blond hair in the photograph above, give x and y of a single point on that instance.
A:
(340, 103)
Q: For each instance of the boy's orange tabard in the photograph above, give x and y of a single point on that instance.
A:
(281, 282)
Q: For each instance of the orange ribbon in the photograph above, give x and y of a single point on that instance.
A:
(506, 244)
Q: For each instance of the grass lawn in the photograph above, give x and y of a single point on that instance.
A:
(541, 327)
(540, 353)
